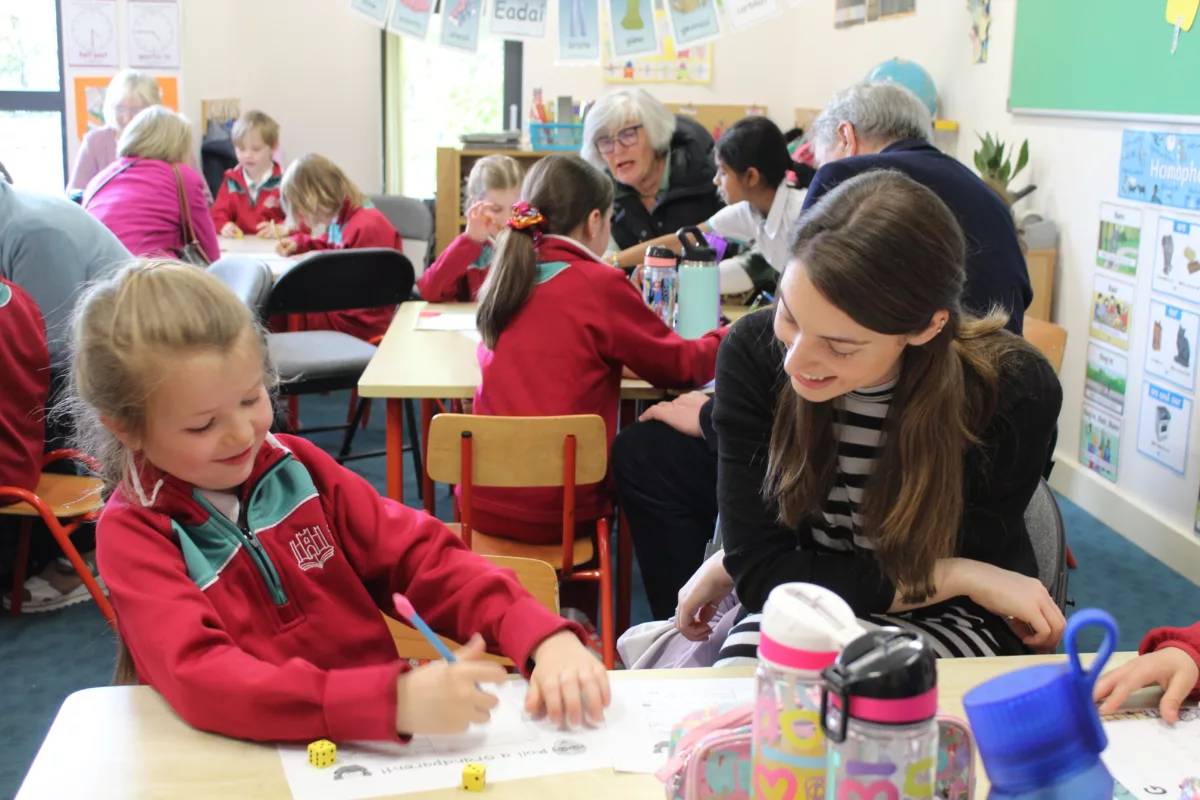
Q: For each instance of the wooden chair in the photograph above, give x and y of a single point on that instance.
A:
(538, 578)
(57, 497)
(517, 452)
(1051, 339)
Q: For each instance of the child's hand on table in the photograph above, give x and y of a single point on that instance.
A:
(287, 247)
(481, 221)
(266, 230)
(446, 698)
(230, 230)
(567, 682)
(1170, 668)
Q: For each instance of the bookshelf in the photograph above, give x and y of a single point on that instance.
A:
(453, 167)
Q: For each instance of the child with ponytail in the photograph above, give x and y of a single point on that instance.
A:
(558, 326)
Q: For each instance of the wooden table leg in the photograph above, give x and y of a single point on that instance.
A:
(394, 443)
(427, 407)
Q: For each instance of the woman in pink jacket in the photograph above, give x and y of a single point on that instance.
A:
(138, 197)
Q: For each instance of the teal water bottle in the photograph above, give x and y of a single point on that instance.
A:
(699, 286)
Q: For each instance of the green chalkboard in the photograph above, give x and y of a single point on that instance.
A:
(1104, 58)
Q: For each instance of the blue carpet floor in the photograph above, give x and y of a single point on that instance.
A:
(46, 657)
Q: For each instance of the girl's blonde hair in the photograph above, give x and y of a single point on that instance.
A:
(126, 327)
(130, 84)
(493, 174)
(314, 184)
(157, 133)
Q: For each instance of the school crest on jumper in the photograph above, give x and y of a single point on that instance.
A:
(311, 548)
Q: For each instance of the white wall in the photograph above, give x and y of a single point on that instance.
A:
(311, 64)
(799, 60)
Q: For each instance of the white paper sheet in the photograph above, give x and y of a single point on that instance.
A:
(445, 321)
(1148, 756)
(511, 746)
(654, 707)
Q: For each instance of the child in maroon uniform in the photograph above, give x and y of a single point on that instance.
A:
(558, 326)
(493, 187)
(25, 365)
(248, 571)
(1170, 658)
(248, 201)
(316, 192)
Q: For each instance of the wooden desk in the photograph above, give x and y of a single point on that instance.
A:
(259, 248)
(125, 742)
(426, 365)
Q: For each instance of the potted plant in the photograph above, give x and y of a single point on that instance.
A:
(996, 168)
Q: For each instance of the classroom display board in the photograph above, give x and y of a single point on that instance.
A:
(1107, 58)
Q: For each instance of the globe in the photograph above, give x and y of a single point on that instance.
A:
(911, 76)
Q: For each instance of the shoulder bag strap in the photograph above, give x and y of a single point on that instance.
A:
(117, 172)
(185, 211)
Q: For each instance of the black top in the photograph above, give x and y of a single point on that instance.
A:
(690, 199)
(1000, 477)
(996, 270)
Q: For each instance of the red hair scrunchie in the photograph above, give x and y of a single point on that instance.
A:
(527, 218)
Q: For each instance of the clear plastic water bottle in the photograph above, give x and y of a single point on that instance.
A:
(660, 283)
(803, 628)
(1037, 728)
(699, 286)
(879, 711)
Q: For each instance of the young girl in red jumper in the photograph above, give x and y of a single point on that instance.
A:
(316, 192)
(558, 326)
(493, 186)
(248, 571)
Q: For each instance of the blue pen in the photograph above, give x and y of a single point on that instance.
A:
(406, 610)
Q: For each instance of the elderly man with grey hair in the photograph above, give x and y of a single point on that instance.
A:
(661, 165)
(884, 126)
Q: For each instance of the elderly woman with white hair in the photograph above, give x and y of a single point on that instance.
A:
(661, 165)
(149, 197)
(128, 93)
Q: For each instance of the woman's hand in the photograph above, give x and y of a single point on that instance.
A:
(446, 698)
(231, 231)
(1014, 596)
(1170, 668)
(287, 247)
(700, 596)
(481, 221)
(568, 682)
(682, 413)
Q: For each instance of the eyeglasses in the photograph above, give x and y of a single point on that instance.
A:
(626, 136)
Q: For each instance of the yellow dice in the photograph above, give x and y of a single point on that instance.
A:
(474, 777)
(322, 753)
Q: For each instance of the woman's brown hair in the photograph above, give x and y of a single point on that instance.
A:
(566, 190)
(887, 251)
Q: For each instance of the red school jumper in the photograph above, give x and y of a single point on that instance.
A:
(356, 227)
(562, 354)
(1186, 639)
(268, 627)
(234, 204)
(25, 365)
(458, 272)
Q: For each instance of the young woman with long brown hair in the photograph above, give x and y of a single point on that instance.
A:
(877, 440)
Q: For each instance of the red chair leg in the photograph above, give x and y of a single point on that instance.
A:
(366, 418)
(1071, 559)
(353, 405)
(85, 574)
(624, 573)
(18, 593)
(608, 640)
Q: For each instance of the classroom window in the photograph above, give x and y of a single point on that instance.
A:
(32, 101)
(446, 94)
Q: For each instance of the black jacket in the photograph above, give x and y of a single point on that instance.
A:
(996, 270)
(691, 197)
(1000, 476)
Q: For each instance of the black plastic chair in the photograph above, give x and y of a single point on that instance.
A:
(311, 362)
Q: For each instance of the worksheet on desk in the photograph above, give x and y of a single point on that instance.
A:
(510, 746)
(1149, 757)
(445, 321)
(655, 707)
